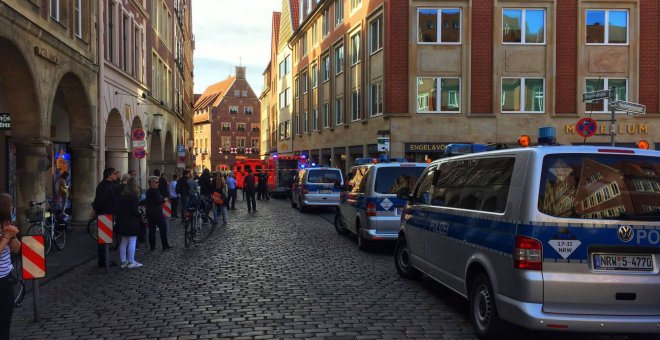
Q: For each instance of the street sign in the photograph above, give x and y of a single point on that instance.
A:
(596, 95)
(383, 144)
(630, 107)
(139, 143)
(138, 134)
(33, 257)
(104, 223)
(181, 161)
(139, 153)
(586, 127)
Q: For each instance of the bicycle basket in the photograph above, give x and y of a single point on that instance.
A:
(34, 214)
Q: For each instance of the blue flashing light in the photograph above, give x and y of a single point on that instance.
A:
(274, 155)
(364, 161)
(547, 135)
(303, 156)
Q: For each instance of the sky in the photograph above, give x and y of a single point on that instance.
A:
(229, 32)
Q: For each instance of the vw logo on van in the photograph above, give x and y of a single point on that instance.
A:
(625, 233)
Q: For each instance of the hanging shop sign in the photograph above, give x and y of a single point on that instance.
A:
(5, 121)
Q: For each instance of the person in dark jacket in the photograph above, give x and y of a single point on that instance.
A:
(205, 183)
(105, 202)
(128, 223)
(262, 187)
(154, 205)
(250, 189)
(162, 183)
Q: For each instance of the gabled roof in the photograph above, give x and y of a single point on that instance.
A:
(276, 30)
(213, 94)
(294, 6)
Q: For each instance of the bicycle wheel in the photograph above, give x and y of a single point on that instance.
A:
(19, 284)
(39, 229)
(203, 229)
(186, 232)
(92, 228)
(59, 237)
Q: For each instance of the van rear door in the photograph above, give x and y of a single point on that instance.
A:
(600, 244)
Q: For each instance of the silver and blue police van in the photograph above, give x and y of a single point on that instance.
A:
(561, 238)
(369, 207)
(316, 186)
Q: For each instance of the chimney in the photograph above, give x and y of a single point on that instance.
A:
(240, 72)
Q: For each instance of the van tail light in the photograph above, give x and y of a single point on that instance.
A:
(371, 209)
(527, 254)
(304, 189)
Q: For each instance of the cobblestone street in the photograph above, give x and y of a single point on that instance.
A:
(271, 274)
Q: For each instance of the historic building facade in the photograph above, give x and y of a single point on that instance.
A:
(227, 124)
(429, 73)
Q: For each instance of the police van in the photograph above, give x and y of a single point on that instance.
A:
(316, 186)
(368, 206)
(561, 238)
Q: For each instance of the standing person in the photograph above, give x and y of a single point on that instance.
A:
(221, 189)
(63, 190)
(205, 185)
(174, 197)
(183, 190)
(250, 188)
(192, 184)
(231, 187)
(105, 202)
(155, 215)
(8, 244)
(162, 185)
(262, 187)
(129, 223)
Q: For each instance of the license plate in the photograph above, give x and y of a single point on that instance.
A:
(642, 263)
(325, 191)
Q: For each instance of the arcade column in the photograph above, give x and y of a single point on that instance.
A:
(118, 159)
(84, 182)
(31, 164)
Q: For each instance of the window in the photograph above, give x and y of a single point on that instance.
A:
(339, 59)
(284, 98)
(248, 110)
(314, 77)
(241, 142)
(287, 129)
(449, 99)
(325, 68)
(595, 84)
(439, 26)
(355, 49)
(226, 142)
(315, 34)
(523, 26)
(303, 45)
(226, 126)
(304, 82)
(296, 124)
(326, 115)
(339, 12)
(355, 105)
(296, 89)
(237, 93)
(285, 66)
(254, 143)
(240, 127)
(137, 54)
(305, 122)
(55, 10)
(376, 34)
(315, 119)
(125, 30)
(77, 18)
(233, 110)
(607, 26)
(255, 127)
(326, 23)
(339, 111)
(244, 94)
(376, 99)
(355, 4)
(110, 53)
(523, 95)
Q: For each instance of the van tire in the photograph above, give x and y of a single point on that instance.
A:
(483, 311)
(341, 230)
(402, 260)
(363, 243)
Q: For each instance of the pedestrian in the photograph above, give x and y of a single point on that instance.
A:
(162, 184)
(155, 215)
(62, 191)
(192, 184)
(231, 187)
(262, 187)
(183, 190)
(250, 189)
(105, 202)
(8, 244)
(129, 223)
(221, 189)
(174, 197)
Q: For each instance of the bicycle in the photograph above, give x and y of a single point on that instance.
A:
(19, 284)
(93, 231)
(198, 226)
(49, 225)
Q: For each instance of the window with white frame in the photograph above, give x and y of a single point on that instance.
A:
(326, 115)
(339, 59)
(339, 12)
(303, 82)
(355, 105)
(315, 119)
(244, 94)
(325, 68)
(226, 142)
(296, 124)
(376, 99)
(376, 34)
(523, 26)
(240, 141)
(55, 10)
(523, 95)
(355, 49)
(255, 127)
(226, 126)
(303, 42)
(596, 84)
(314, 76)
(248, 110)
(233, 109)
(255, 143)
(77, 18)
(125, 31)
(448, 100)
(237, 93)
(284, 98)
(607, 27)
(339, 111)
(314, 33)
(110, 52)
(326, 23)
(305, 122)
(355, 4)
(241, 127)
(439, 25)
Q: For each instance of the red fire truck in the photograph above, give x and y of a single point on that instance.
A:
(281, 170)
(241, 167)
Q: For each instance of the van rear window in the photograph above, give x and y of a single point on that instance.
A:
(390, 179)
(324, 176)
(599, 186)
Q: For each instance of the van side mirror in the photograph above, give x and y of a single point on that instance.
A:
(404, 194)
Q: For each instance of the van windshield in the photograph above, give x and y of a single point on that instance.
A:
(324, 176)
(392, 178)
(600, 186)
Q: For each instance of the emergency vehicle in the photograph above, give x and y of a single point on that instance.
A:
(241, 167)
(281, 171)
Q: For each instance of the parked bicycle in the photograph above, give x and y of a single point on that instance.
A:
(44, 221)
(198, 225)
(93, 231)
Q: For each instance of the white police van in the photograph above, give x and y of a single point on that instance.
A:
(561, 238)
(368, 205)
(316, 186)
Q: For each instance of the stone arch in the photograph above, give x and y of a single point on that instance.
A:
(116, 146)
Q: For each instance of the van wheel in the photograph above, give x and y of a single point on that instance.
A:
(402, 260)
(483, 311)
(341, 230)
(363, 243)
